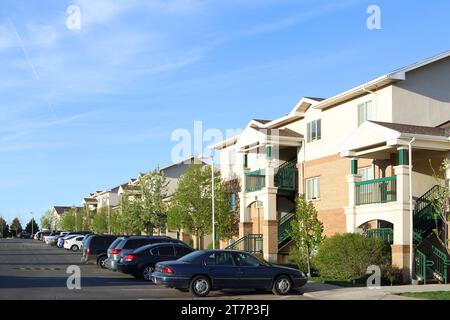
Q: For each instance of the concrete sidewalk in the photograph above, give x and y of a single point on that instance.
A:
(322, 291)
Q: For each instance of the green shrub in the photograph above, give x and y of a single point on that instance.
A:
(347, 256)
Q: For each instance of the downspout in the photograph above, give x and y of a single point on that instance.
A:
(411, 216)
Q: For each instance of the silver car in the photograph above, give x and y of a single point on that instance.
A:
(113, 254)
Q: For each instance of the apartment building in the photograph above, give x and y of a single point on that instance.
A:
(349, 155)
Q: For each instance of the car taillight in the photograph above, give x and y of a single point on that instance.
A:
(167, 270)
(130, 257)
(88, 251)
(116, 251)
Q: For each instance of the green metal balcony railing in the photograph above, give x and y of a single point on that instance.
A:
(422, 264)
(254, 181)
(286, 177)
(441, 263)
(376, 191)
(252, 243)
(284, 226)
(386, 234)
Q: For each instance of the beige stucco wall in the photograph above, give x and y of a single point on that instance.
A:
(424, 97)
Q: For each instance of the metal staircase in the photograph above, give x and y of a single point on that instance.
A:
(432, 259)
(284, 226)
(252, 243)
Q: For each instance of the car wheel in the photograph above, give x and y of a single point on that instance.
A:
(74, 248)
(200, 286)
(101, 262)
(147, 272)
(282, 286)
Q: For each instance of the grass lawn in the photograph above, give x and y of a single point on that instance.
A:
(433, 295)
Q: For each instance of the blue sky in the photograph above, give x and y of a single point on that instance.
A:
(85, 110)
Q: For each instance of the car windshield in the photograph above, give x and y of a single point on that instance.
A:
(191, 257)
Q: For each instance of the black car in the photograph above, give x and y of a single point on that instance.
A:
(141, 262)
(129, 244)
(24, 235)
(203, 271)
(95, 248)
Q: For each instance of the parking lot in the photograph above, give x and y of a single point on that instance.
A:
(32, 270)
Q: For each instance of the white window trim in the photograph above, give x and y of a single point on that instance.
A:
(318, 188)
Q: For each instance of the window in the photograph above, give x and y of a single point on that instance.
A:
(182, 251)
(233, 202)
(246, 260)
(232, 157)
(366, 173)
(314, 130)
(166, 251)
(366, 111)
(219, 259)
(313, 188)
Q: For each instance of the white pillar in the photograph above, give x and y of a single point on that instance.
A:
(350, 210)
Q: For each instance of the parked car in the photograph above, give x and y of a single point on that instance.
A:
(75, 243)
(129, 244)
(95, 248)
(24, 235)
(43, 234)
(111, 262)
(141, 262)
(52, 238)
(206, 270)
(60, 242)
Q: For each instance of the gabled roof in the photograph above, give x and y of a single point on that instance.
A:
(62, 209)
(281, 132)
(384, 80)
(412, 129)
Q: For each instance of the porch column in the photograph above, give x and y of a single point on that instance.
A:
(402, 223)
(350, 210)
(245, 222)
(270, 225)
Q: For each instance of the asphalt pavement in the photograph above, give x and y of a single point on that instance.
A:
(32, 270)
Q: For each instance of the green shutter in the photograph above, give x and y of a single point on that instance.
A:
(402, 157)
(354, 166)
(269, 152)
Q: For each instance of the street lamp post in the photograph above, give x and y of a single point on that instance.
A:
(211, 157)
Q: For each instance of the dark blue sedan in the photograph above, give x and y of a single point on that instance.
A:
(203, 271)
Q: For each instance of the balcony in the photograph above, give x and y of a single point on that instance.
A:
(254, 181)
(284, 179)
(376, 191)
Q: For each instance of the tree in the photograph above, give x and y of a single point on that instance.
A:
(100, 222)
(116, 222)
(154, 210)
(306, 232)
(47, 220)
(191, 207)
(32, 226)
(130, 213)
(16, 226)
(68, 221)
(441, 202)
(4, 228)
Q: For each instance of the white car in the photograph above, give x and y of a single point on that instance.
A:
(74, 244)
(49, 239)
